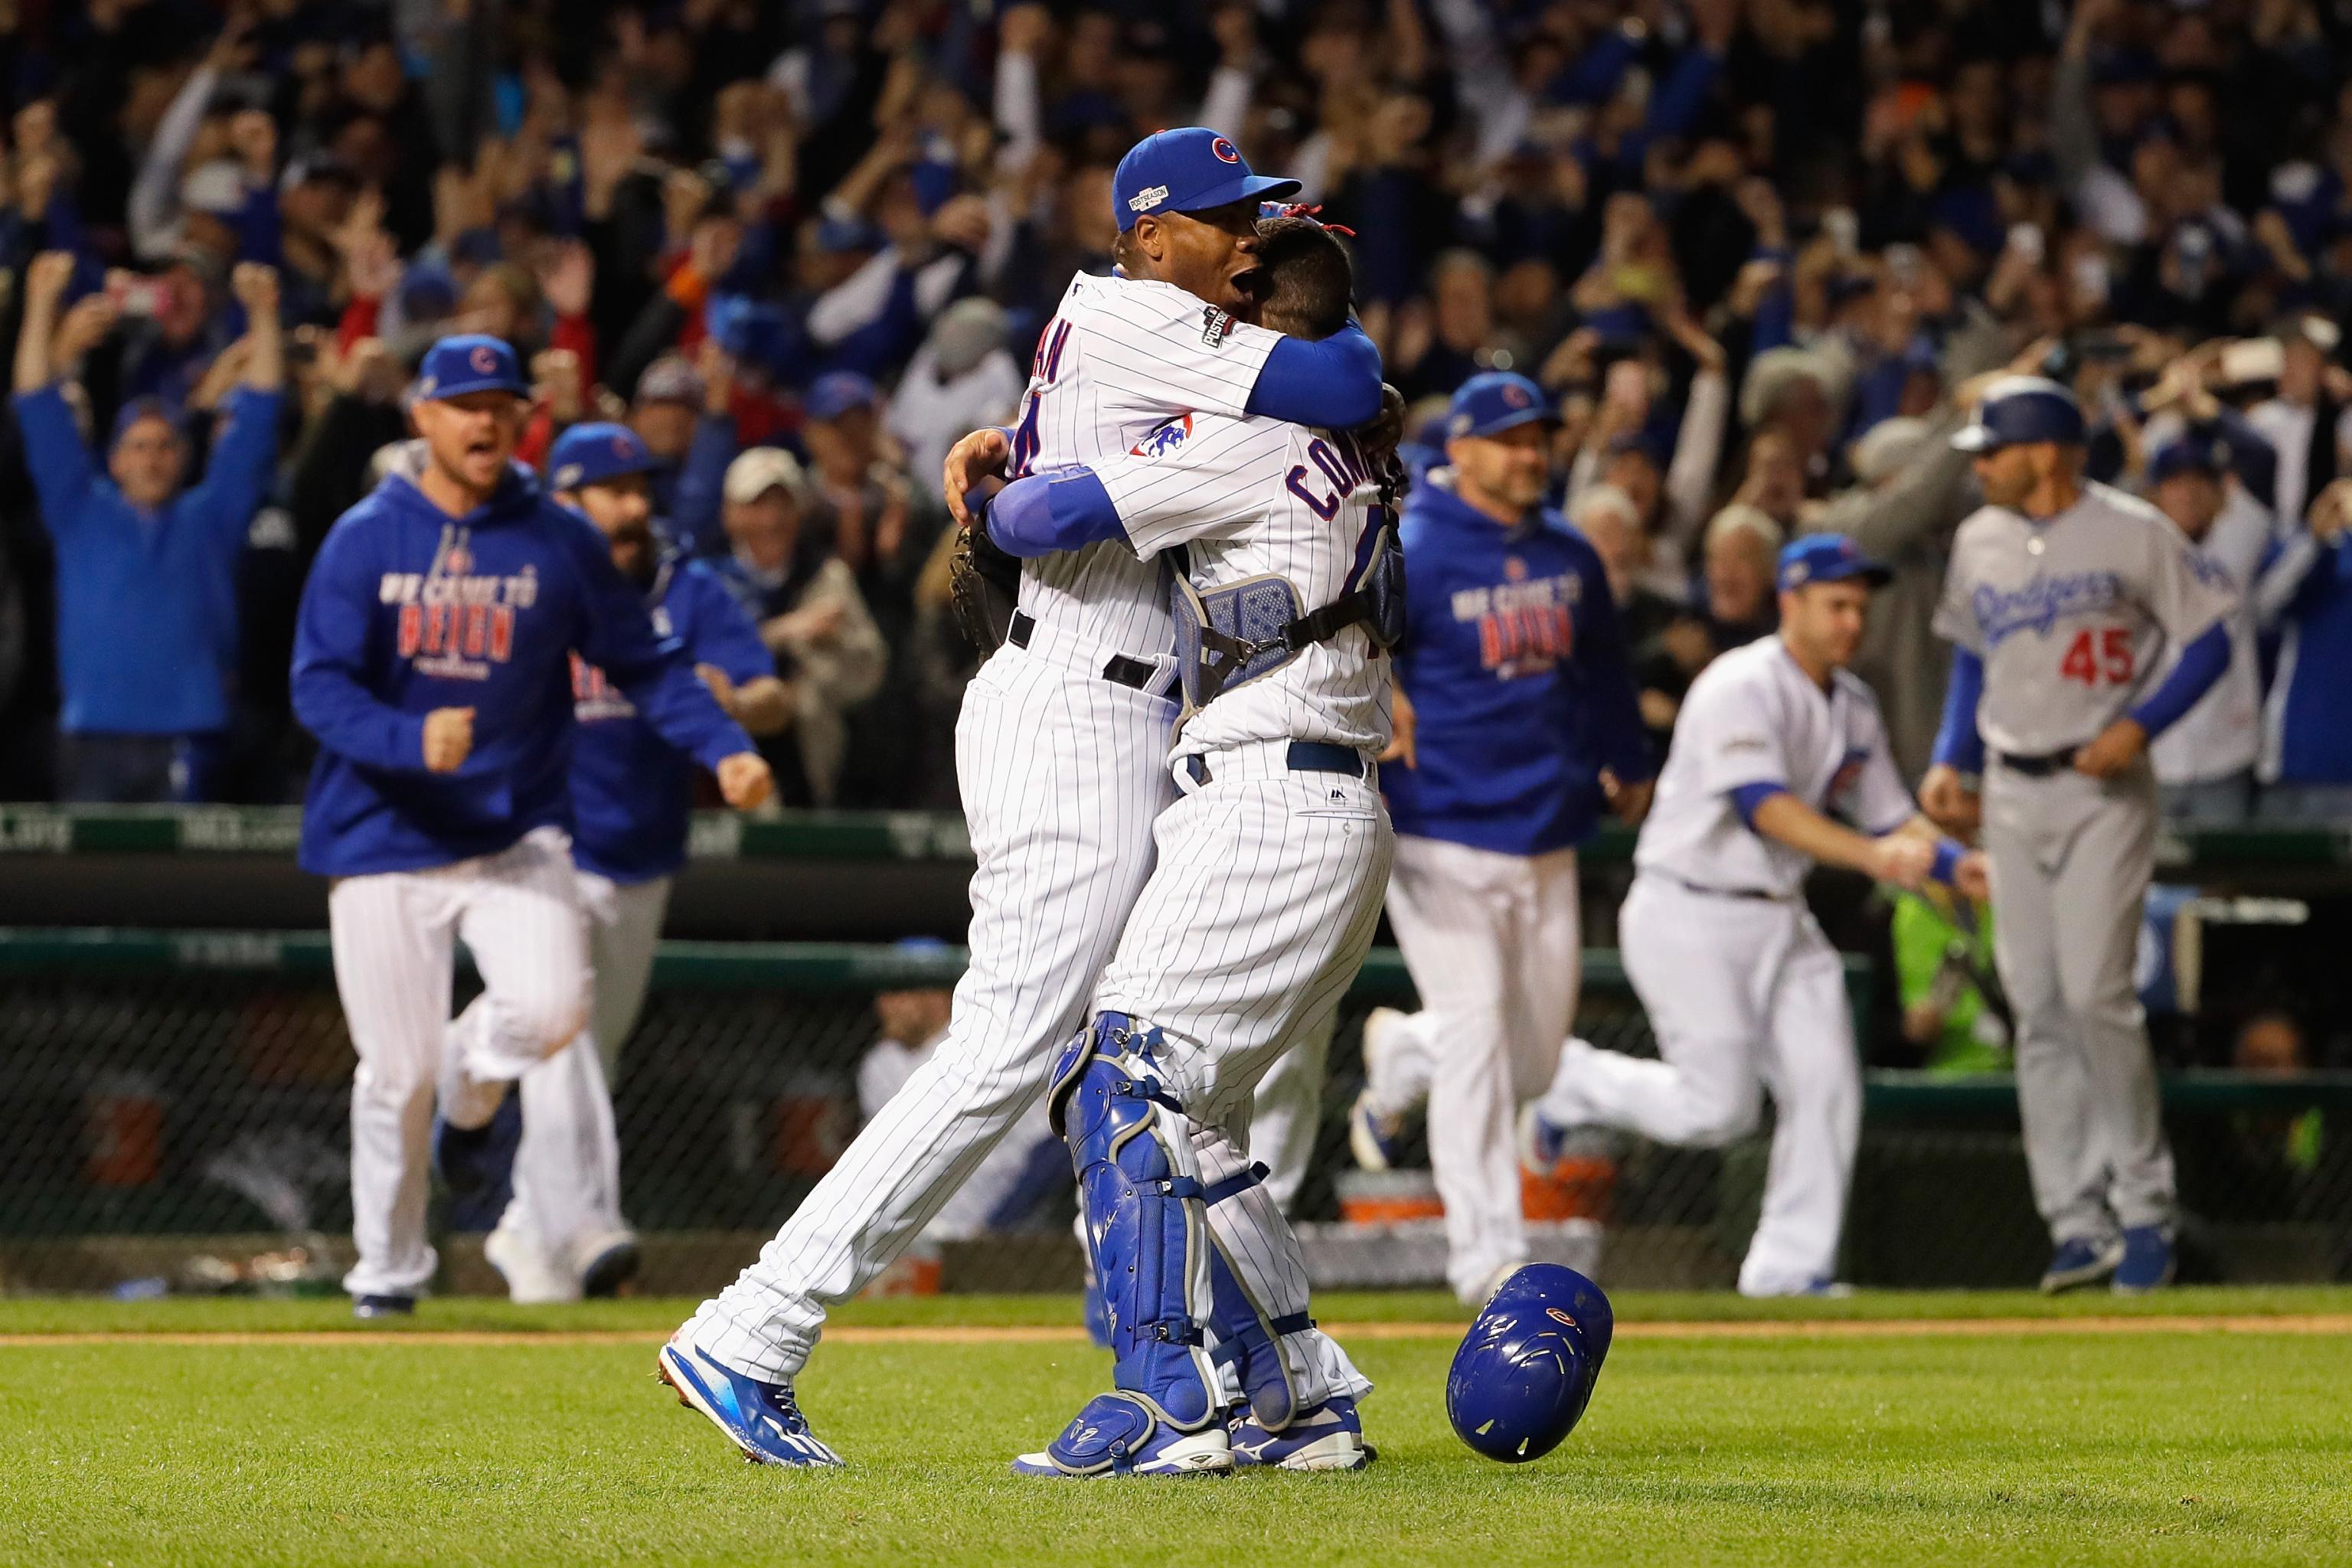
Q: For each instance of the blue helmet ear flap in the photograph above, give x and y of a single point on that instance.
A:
(1525, 1370)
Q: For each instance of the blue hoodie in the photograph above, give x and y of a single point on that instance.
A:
(407, 610)
(631, 789)
(146, 601)
(1516, 665)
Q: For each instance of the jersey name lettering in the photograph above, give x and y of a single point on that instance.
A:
(2043, 602)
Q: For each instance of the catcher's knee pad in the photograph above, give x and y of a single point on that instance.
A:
(1249, 1337)
(1146, 1227)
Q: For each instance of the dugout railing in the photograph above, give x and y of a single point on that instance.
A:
(173, 1103)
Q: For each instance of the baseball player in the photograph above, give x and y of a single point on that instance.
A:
(1518, 719)
(2061, 598)
(1255, 919)
(1743, 992)
(562, 1235)
(432, 662)
(1059, 750)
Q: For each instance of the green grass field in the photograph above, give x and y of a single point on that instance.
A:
(170, 1445)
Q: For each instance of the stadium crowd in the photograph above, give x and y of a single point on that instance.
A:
(1761, 252)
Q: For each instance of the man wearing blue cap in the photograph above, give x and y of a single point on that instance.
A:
(2062, 600)
(1517, 725)
(1061, 750)
(146, 571)
(1776, 742)
(563, 1235)
(433, 661)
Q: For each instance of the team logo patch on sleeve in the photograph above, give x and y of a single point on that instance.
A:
(1164, 438)
(1216, 325)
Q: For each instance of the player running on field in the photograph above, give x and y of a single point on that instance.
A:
(433, 661)
(1743, 992)
(563, 1235)
(1255, 920)
(1059, 752)
(1516, 723)
(2061, 598)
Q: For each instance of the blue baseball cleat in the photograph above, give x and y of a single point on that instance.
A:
(1330, 1436)
(2146, 1263)
(1542, 1142)
(760, 1418)
(367, 1308)
(1121, 1434)
(2080, 1261)
(475, 1159)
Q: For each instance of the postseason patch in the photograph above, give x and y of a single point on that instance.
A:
(1216, 325)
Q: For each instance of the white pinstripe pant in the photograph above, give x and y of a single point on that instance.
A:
(1252, 928)
(394, 935)
(1062, 774)
(567, 1172)
(1491, 941)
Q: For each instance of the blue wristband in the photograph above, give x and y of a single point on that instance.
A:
(1946, 864)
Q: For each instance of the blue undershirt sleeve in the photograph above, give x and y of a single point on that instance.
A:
(1958, 744)
(1062, 510)
(1334, 383)
(2201, 664)
(1747, 798)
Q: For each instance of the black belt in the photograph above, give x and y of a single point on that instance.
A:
(2041, 766)
(1118, 667)
(1304, 757)
(1756, 894)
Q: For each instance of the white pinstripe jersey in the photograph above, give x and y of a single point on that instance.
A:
(1120, 356)
(1250, 498)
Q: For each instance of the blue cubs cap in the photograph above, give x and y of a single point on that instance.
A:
(147, 407)
(470, 361)
(1525, 1372)
(1185, 170)
(591, 454)
(2018, 410)
(1828, 558)
(832, 394)
(2190, 456)
(1493, 402)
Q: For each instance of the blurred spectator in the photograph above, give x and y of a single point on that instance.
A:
(2306, 761)
(2308, 421)
(786, 575)
(1029, 1165)
(1742, 544)
(960, 379)
(683, 418)
(2205, 760)
(146, 566)
(1944, 978)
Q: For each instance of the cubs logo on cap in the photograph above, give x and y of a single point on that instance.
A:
(1494, 402)
(470, 361)
(1188, 169)
(592, 453)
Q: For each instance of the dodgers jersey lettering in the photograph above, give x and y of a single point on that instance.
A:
(632, 790)
(1253, 497)
(1754, 716)
(2072, 615)
(1120, 356)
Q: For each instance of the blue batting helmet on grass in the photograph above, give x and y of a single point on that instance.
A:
(1525, 1370)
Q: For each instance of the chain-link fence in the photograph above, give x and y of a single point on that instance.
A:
(173, 1105)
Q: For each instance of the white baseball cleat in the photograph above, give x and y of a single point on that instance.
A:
(1375, 1139)
(533, 1277)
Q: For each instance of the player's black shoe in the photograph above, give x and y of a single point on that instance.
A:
(369, 1308)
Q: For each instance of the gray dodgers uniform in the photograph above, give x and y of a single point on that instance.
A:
(2070, 617)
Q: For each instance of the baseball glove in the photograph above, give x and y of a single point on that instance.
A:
(984, 585)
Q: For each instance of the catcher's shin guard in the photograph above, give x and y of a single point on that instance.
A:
(1146, 1226)
(1249, 1336)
